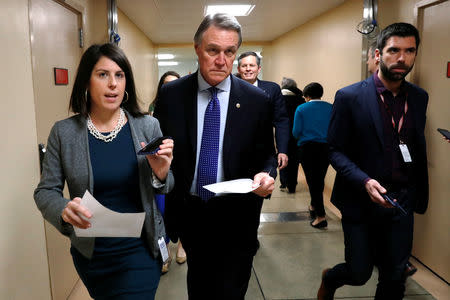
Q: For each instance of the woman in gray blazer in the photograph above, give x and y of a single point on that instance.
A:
(95, 150)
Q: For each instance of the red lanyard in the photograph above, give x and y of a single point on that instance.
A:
(400, 123)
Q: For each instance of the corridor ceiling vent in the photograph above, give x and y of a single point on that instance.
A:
(239, 10)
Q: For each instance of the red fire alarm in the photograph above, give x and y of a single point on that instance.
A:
(448, 69)
(61, 76)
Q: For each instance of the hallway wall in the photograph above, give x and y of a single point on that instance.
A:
(327, 50)
(24, 270)
(95, 20)
(141, 52)
(23, 264)
(324, 49)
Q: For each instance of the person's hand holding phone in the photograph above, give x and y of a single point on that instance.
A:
(375, 191)
(161, 158)
(394, 203)
(445, 133)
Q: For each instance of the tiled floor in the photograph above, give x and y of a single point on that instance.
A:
(290, 259)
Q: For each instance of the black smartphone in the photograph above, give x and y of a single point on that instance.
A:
(444, 132)
(393, 203)
(153, 146)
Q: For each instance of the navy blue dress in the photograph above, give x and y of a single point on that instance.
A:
(120, 268)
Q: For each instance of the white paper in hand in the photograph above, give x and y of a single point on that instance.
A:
(108, 223)
(238, 186)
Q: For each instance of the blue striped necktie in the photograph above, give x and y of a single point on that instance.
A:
(209, 149)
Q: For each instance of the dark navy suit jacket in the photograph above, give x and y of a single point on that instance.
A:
(279, 114)
(247, 150)
(356, 140)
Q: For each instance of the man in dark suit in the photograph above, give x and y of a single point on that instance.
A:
(377, 146)
(221, 127)
(249, 67)
(372, 67)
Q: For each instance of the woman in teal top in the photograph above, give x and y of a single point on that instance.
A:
(310, 129)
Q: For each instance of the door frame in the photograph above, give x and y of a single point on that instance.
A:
(419, 8)
(71, 5)
(80, 11)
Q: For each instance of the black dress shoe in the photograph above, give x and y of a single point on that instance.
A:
(410, 269)
(319, 225)
(325, 292)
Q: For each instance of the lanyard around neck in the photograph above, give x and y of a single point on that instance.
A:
(400, 122)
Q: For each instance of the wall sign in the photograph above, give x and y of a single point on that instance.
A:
(61, 76)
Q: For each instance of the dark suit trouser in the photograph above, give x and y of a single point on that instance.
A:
(314, 159)
(217, 275)
(288, 175)
(219, 238)
(383, 240)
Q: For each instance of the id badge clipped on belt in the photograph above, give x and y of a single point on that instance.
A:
(405, 153)
(163, 249)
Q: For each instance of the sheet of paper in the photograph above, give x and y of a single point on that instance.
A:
(108, 223)
(239, 186)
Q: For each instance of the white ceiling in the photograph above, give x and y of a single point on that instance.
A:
(175, 21)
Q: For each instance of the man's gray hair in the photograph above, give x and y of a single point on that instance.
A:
(288, 83)
(372, 48)
(223, 21)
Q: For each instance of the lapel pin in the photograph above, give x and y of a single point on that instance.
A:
(238, 105)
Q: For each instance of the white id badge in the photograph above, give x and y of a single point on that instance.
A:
(163, 249)
(405, 153)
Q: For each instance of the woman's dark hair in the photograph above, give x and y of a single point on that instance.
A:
(313, 90)
(161, 82)
(78, 102)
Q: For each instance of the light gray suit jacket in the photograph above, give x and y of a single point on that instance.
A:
(67, 160)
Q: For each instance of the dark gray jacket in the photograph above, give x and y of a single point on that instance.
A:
(67, 160)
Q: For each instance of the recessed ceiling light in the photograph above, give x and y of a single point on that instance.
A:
(167, 63)
(165, 56)
(234, 10)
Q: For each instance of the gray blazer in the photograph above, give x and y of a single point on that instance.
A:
(67, 160)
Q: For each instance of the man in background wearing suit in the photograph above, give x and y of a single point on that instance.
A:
(377, 146)
(249, 67)
(372, 63)
(222, 130)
